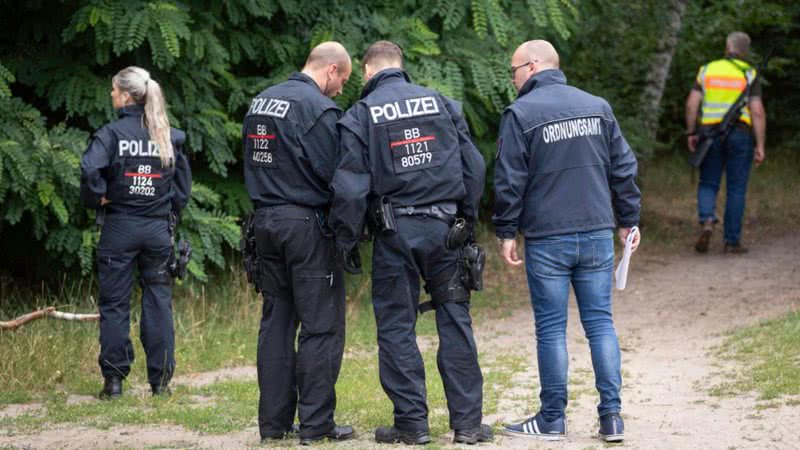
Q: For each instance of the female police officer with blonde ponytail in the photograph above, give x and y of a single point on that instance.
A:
(135, 174)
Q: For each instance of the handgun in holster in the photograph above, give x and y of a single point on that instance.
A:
(179, 264)
(474, 262)
(247, 245)
(457, 234)
(382, 215)
(462, 235)
(179, 260)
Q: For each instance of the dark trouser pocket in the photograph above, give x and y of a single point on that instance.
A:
(319, 301)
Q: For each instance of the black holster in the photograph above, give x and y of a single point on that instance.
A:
(474, 263)
(179, 263)
(381, 215)
(178, 260)
(247, 245)
(457, 234)
(446, 287)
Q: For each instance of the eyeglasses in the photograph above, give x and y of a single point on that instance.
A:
(515, 68)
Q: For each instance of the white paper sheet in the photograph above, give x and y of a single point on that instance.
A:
(621, 274)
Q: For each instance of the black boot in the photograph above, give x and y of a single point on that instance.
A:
(160, 390)
(338, 433)
(391, 435)
(112, 388)
(482, 433)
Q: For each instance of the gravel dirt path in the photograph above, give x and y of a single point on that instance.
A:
(669, 321)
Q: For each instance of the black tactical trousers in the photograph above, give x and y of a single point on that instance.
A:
(303, 286)
(128, 242)
(398, 260)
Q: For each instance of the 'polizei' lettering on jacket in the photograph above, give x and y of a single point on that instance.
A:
(410, 107)
(269, 107)
(568, 129)
(137, 148)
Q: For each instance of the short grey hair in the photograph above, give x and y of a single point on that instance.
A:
(738, 43)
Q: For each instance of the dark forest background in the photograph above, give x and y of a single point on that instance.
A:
(57, 59)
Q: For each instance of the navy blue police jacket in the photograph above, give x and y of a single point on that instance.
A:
(408, 143)
(122, 164)
(290, 144)
(562, 164)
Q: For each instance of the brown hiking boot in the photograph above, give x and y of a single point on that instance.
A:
(735, 248)
(705, 238)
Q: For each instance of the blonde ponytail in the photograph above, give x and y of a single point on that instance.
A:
(144, 90)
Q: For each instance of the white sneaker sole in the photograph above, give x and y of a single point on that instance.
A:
(541, 437)
(612, 437)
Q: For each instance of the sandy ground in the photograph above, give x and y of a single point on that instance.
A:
(669, 320)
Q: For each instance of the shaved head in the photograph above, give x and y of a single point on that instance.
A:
(540, 52)
(327, 53)
(531, 58)
(329, 65)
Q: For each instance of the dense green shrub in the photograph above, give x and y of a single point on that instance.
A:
(211, 57)
(57, 59)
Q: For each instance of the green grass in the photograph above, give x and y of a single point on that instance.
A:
(232, 405)
(216, 326)
(768, 360)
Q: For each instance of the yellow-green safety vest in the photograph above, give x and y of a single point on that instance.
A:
(722, 81)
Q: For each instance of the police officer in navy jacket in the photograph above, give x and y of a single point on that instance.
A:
(407, 151)
(290, 150)
(136, 175)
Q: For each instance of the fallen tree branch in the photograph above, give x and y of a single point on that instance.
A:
(45, 312)
(73, 316)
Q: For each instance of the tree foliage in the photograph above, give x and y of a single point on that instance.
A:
(211, 57)
(57, 59)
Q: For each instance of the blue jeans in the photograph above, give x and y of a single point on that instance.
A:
(586, 260)
(735, 158)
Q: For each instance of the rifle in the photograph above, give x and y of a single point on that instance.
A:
(709, 134)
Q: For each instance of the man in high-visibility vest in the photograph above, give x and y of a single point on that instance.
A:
(718, 85)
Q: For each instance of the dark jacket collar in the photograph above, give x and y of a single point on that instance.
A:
(543, 78)
(385, 76)
(303, 78)
(130, 110)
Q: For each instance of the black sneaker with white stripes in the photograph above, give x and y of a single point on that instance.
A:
(538, 428)
(612, 428)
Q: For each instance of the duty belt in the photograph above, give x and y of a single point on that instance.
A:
(445, 212)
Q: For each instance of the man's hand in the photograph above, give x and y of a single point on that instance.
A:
(623, 236)
(104, 201)
(759, 155)
(691, 142)
(508, 251)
